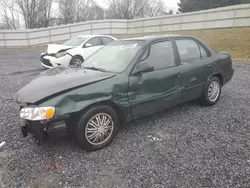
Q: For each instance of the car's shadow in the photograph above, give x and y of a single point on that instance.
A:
(143, 122)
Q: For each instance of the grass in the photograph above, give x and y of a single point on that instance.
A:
(234, 40)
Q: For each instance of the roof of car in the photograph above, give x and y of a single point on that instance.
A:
(157, 37)
(88, 36)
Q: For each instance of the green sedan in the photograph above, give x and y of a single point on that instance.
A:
(122, 81)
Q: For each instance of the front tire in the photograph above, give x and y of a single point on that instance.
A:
(97, 128)
(76, 61)
(211, 92)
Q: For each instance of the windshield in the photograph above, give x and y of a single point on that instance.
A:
(115, 57)
(75, 41)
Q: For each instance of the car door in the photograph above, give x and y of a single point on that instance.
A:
(206, 63)
(194, 68)
(159, 88)
(91, 46)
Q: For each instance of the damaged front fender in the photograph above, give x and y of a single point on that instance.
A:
(82, 97)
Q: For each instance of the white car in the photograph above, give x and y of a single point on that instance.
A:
(74, 51)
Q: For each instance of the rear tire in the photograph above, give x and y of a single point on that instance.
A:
(212, 92)
(97, 128)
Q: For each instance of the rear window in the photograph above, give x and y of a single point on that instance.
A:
(204, 53)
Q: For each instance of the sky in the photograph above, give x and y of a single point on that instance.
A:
(170, 4)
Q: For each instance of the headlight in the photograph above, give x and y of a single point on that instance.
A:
(38, 113)
(61, 54)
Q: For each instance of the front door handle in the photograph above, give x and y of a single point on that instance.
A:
(176, 75)
(209, 66)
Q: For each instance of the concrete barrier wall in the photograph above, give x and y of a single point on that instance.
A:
(226, 17)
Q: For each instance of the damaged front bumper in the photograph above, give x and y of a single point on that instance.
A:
(41, 130)
(50, 61)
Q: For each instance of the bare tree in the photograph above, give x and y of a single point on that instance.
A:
(10, 16)
(130, 9)
(126, 9)
(36, 13)
(155, 8)
(67, 11)
(97, 13)
(83, 10)
(44, 15)
(79, 10)
(89, 10)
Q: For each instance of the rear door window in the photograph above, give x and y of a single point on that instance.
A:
(189, 50)
(106, 40)
(160, 55)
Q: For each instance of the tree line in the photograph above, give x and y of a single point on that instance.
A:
(196, 5)
(39, 13)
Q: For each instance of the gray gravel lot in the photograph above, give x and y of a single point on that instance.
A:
(200, 146)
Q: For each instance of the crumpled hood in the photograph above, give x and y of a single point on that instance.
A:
(57, 80)
(55, 48)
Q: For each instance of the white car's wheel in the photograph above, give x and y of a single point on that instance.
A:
(76, 61)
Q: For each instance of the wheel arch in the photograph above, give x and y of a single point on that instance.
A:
(218, 75)
(78, 56)
(75, 116)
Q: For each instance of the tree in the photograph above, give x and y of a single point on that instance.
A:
(79, 10)
(196, 5)
(96, 13)
(130, 9)
(126, 9)
(36, 13)
(88, 10)
(10, 16)
(67, 11)
(44, 16)
(155, 8)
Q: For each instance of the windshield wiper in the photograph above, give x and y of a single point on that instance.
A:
(95, 68)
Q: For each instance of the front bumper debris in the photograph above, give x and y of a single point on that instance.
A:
(50, 61)
(42, 130)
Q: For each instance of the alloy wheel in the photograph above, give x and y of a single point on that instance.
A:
(77, 62)
(213, 91)
(99, 129)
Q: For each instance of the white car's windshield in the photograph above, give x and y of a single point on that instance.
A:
(115, 57)
(75, 41)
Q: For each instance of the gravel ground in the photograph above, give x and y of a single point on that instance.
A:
(197, 146)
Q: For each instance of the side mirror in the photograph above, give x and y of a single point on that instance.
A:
(87, 45)
(145, 67)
